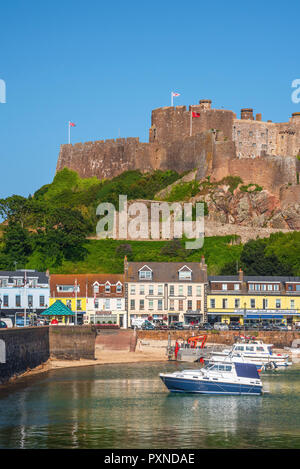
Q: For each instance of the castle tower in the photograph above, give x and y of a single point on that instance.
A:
(205, 104)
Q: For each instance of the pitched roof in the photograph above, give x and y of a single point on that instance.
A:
(85, 282)
(166, 271)
(58, 309)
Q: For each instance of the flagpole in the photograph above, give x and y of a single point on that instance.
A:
(69, 132)
(172, 98)
(191, 124)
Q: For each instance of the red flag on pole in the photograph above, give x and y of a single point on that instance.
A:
(71, 124)
(195, 114)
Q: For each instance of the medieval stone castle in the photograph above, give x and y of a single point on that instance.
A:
(215, 142)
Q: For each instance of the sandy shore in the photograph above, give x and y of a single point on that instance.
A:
(103, 357)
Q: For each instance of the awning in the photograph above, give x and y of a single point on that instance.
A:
(263, 316)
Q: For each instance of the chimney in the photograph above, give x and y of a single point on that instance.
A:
(247, 113)
(203, 267)
(47, 273)
(241, 276)
(125, 267)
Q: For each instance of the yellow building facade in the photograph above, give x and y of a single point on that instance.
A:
(250, 298)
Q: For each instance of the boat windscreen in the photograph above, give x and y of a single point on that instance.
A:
(246, 370)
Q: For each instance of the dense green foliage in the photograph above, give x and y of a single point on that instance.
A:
(49, 230)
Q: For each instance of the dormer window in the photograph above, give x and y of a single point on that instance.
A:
(96, 288)
(107, 288)
(119, 288)
(185, 273)
(145, 273)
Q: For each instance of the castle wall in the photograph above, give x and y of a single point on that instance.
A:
(109, 158)
(221, 145)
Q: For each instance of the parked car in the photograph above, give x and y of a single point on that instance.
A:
(221, 326)
(148, 327)
(206, 326)
(3, 325)
(7, 321)
(177, 325)
(281, 327)
(234, 327)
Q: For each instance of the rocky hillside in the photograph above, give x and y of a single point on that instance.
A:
(231, 202)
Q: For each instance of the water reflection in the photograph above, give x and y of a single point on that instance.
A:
(128, 407)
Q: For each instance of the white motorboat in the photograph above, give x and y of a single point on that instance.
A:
(226, 377)
(253, 351)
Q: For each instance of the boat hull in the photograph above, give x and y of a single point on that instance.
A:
(185, 385)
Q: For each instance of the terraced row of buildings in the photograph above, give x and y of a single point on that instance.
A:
(167, 291)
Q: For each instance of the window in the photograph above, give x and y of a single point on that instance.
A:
(250, 134)
(180, 305)
(107, 288)
(132, 289)
(159, 304)
(237, 303)
(297, 287)
(250, 348)
(160, 290)
(190, 305)
(150, 304)
(3, 282)
(240, 348)
(172, 305)
(96, 288)
(260, 349)
(224, 286)
(150, 289)
(30, 301)
(278, 303)
(224, 303)
(132, 304)
(5, 300)
(276, 287)
(290, 287)
(236, 286)
(264, 287)
(257, 287)
(67, 288)
(185, 275)
(119, 303)
(198, 305)
(78, 305)
(142, 305)
(212, 303)
(251, 286)
(190, 290)
(142, 290)
(18, 300)
(119, 288)
(171, 290)
(69, 304)
(145, 274)
(107, 304)
(180, 290)
(96, 304)
(198, 290)
(270, 288)
(252, 303)
(292, 304)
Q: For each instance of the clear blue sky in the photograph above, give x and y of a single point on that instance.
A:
(106, 65)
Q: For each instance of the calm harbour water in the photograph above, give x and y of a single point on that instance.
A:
(127, 406)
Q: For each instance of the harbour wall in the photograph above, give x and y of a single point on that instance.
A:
(22, 349)
(277, 338)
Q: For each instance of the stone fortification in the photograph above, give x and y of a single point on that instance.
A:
(215, 142)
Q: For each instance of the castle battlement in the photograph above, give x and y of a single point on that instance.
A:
(216, 142)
